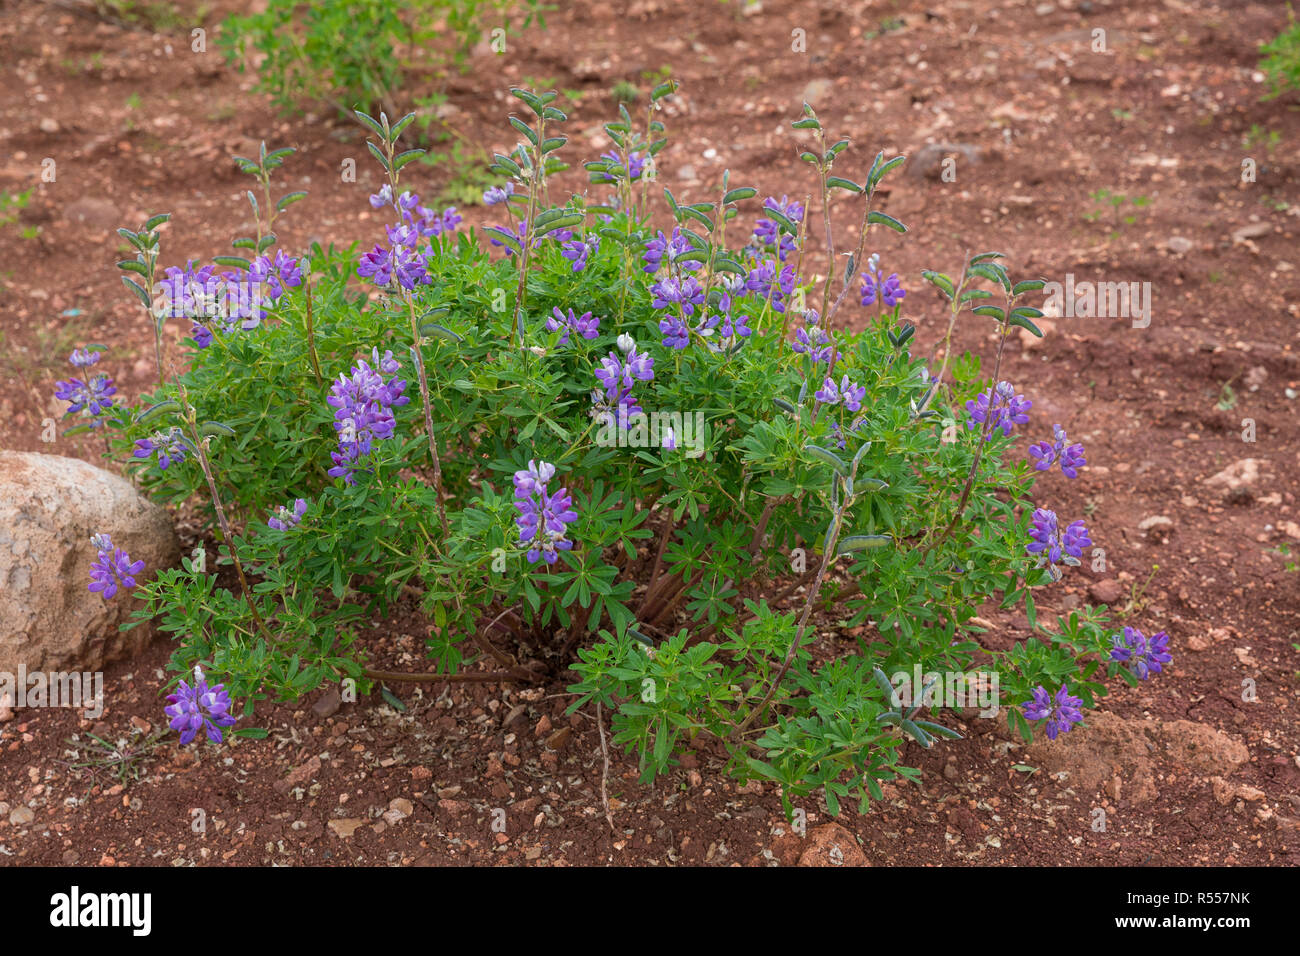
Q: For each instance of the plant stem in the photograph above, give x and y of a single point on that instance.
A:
(428, 416)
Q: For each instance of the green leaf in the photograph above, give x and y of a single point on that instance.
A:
(1029, 285)
(253, 733)
(161, 408)
(441, 331)
(1025, 323)
(288, 199)
(212, 429)
(839, 182)
(862, 542)
(884, 220)
(829, 457)
(410, 155)
(917, 734)
(155, 221)
(391, 699)
(940, 281)
(878, 173)
(138, 290)
(739, 195)
(235, 262)
(401, 124)
(524, 128)
(371, 124)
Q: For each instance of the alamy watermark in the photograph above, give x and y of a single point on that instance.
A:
(83, 690)
(946, 689)
(670, 431)
(1100, 300)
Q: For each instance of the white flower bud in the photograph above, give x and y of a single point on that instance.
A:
(626, 342)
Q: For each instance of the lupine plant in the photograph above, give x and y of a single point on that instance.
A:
(705, 472)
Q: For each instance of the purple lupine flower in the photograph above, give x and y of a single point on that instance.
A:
(200, 707)
(276, 273)
(729, 329)
(676, 333)
(112, 568)
(1008, 409)
(190, 291)
(543, 517)
(1062, 711)
(1145, 656)
(1053, 547)
(285, 518)
(668, 440)
(768, 232)
(93, 396)
(83, 358)
(577, 250)
(889, 290)
(585, 325)
(403, 262)
(635, 167)
(376, 264)
(828, 394)
(363, 404)
(495, 195)
(847, 392)
(1046, 454)
(618, 377)
(770, 280)
(431, 224)
(674, 246)
(170, 446)
(813, 341)
(685, 292)
(382, 198)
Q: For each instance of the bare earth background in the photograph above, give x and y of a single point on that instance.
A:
(138, 124)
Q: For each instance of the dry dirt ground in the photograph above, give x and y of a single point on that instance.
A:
(1187, 768)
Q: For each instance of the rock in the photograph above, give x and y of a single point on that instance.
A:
(832, 845)
(398, 810)
(345, 828)
(927, 162)
(1106, 591)
(1236, 479)
(1255, 377)
(1107, 747)
(1158, 527)
(1179, 245)
(99, 214)
(298, 776)
(20, 816)
(49, 124)
(816, 92)
(1198, 643)
(558, 739)
(49, 508)
(543, 726)
(1199, 747)
(328, 704)
(6, 708)
(1252, 230)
